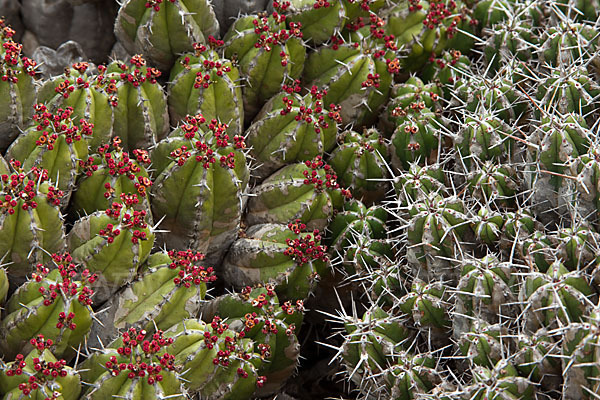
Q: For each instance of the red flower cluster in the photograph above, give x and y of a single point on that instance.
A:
(9, 64)
(305, 248)
(328, 182)
(66, 287)
(268, 35)
(55, 125)
(138, 356)
(205, 151)
(19, 188)
(128, 220)
(138, 76)
(312, 112)
(189, 273)
(155, 4)
(118, 163)
(45, 371)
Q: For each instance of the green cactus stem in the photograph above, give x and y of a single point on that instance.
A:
(291, 128)
(290, 257)
(54, 303)
(39, 375)
(31, 225)
(203, 82)
(135, 366)
(200, 178)
(163, 29)
(17, 89)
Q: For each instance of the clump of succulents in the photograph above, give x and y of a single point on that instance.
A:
(430, 165)
(17, 87)
(55, 303)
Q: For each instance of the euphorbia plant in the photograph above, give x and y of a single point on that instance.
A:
(292, 127)
(39, 375)
(28, 200)
(308, 191)
(290, 257)
(135, 366)
(54, 302)
(268, 53)
(107, 174)
(17, 90)
(54, 142)
(171, 287)
(204, 214)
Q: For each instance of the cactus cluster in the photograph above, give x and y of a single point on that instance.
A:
(404, 194)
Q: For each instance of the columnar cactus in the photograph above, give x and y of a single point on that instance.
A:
(140, 113)
(203, 82)
(31, 224)
(17, 89)
(416, 183)
(427, 306)
(55, 303)
(356, 219)
(163, 29)
(493, 182)
(435, 231)
(484, 344)
(135, 366)
(568, 43)
(55, 144)
(308, 191)
(411, 374)
(414, 90)
(112, 243)
(568, 89)
(109, 173)
(360, 162)
(291, 128)
(267, 53)
(171, 287)
(87, 95)
(204, 214)
(538, 357)
(39, 375)
(426, 28)
(290, 257)
(485, 292)
(216, 361)
(558, 140)
(417, 135)
(483, 137)
(500, 382)
(257, 313)
(555, 298)
(580, 361)
(371, 345)
(318, 19)
(356, 72)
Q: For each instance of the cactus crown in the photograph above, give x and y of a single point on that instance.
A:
(312, 177)
(205, 145)
(22, 188)
(147, 356)
(12, 63)
(127, 219)
(118, 163)
(65, 286)
(44, 374)
(269, 34)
